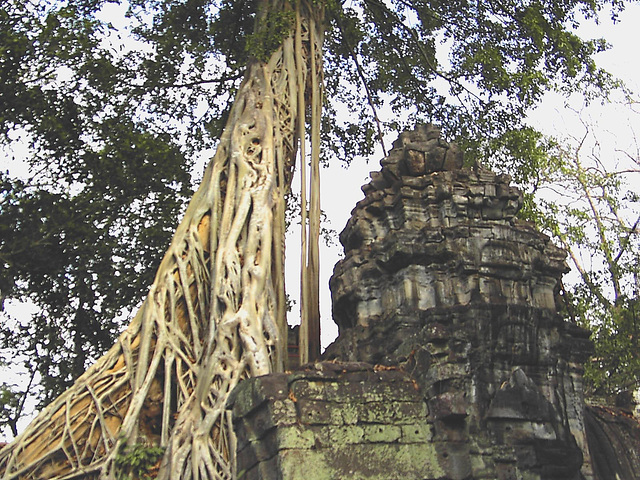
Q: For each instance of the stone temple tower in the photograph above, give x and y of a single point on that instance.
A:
(440, 278)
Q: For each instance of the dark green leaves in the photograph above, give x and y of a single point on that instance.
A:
(272, 29)
(86, 254)
(136, 461)
(473, 67)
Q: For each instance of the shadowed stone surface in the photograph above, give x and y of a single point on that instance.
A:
(455, 301)
(614, 440)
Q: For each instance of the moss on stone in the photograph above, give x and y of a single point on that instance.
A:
(382, 433)
(307, 464)
(295, 436)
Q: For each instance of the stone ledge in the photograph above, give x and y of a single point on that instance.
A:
(333, 420)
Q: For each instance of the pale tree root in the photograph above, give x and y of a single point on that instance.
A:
(214, 314)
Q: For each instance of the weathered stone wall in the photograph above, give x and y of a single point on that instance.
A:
(333, 421)
(439, 276)
(424, 243)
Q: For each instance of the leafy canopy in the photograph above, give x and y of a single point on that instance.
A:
(109, 112)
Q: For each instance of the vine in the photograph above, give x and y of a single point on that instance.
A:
(139, 461)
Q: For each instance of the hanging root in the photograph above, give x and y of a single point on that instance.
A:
(214, 314)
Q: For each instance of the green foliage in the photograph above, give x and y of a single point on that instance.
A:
(501, 59)
(271, 31)
(524, 152)
(9, 406)
(85, 255)
(82, 232)
(137, 462)
(232, 26)
(615, 366)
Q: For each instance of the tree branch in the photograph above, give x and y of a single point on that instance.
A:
(195, 83)
(361, 75)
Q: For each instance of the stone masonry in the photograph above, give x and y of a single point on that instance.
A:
(333, 421)
(440, 276)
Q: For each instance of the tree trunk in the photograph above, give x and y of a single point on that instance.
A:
(215, 312)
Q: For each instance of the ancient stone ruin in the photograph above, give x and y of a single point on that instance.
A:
(453, 361)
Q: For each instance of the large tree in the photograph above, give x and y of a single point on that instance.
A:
(110, 129)
(215, 310)
(84, 228)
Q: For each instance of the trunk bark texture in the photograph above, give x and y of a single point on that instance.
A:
(215, 312)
